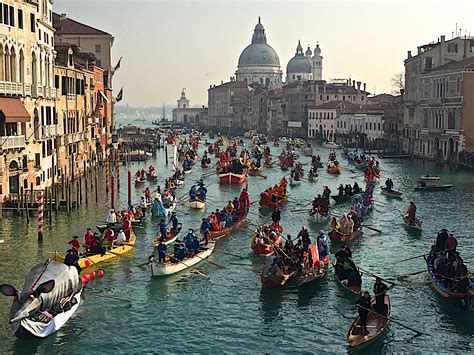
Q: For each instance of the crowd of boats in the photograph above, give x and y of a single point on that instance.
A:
(52, 291)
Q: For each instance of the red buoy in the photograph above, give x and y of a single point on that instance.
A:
(100, 273)
(92, 275)
(86, 276)
(87, 263)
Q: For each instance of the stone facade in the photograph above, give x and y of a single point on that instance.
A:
(428, 97)
(186, 115)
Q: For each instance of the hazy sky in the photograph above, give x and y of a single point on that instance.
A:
(170, 45)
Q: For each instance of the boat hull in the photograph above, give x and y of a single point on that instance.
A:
(318, 218)
(225, 231)
(197, 204)
(392, 193)
(231, 178)
(338, 237)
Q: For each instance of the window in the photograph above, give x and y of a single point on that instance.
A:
(37, 159)
(20, 18)
(6, 14)
(39, 35)
(56, 81)
(32, 23)
(428, 63)
(64, 85)
(12, 16)
(99, 63)
(98, 48)
(452, 47)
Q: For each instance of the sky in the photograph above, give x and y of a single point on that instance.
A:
(170, 45)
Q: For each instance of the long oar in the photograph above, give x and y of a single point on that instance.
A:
(413, 257)
(189, 267)
(94, 293)
(371, 274)
(372, 228)
(211, 262)
(411, 274)
(393, 320)
(230, 254)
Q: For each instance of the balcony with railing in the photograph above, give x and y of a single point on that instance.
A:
(11, 88)
(71, 96)
(12, 142)
(49, 131)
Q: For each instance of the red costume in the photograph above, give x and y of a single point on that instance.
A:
(76, 245)
(109, 235)
(127, 229)
(88, 239)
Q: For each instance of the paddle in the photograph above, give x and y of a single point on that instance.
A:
(225, 253)
(393, 320)
(211, 262)
(371, 274)
(85, 256)
(396, 218)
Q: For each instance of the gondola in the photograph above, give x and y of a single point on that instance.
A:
(172, 237)
(261, 249)
(429, 177)
(376, 326)
(188, 170)
(391, 193)
(317, 271)
(151, 177)
(460, 299)
(273, 277)
(433, 187)
(232, 178)
(340, 199)
(318, 217)
(139, 181)
(273, 204)
(355, 290)
(255, 171)
(313, 178)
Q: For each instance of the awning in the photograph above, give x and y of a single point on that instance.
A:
(12, 110)
(104, 96)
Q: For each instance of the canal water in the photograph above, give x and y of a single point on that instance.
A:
(228, 312)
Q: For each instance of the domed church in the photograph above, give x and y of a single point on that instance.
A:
(259, 63)
(305, 66)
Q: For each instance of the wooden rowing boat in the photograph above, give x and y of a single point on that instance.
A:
(336, 170)
(433, 187)
(461, 299)
(170, 267)
(232, 178)
(340, 199)
(316, 271)
(172, 237)
(355, 290)
(275, 204)
(336, 236)
(317, 217)
(255, 172)
(429, 177)
(391, 193)
(376, 326)
(261, 249)
(408, 222)
(139, 181)
(271, 277)
(294, 182)
(197, 204)
(97, 258)
(223, 232)
(188, 171)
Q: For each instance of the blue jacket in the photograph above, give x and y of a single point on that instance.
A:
(205, 227)
(163, 229)
(161, 248)
(174, 221)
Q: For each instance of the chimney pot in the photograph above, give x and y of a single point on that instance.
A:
(364, 86)
(419, 50)
(443, 39)
(409, 54)
(63, 17)
(358, 85)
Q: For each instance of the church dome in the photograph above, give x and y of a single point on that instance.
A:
(299, 63)
(259, 53)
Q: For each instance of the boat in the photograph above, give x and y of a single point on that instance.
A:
(225, 231)
(139, 181)
(275, 204)
(151, 177)
(429, 177)
(313, 178)
(316, 271)
(170, 267)
(197, 204)
(98, 258)
(334, 169)
(399, 156)
(332, 145)
(344, 284)
(336, 236)
(36, 314)
(155, 211)
(205, 165)
(307, 151)
(391, 193)
(460, 299)
(137, 155)
(433, 187)
(317, 217)
(232, 178)
(376, 326)
(273, 276)
(340, 199)
(172, 237)
(407, 221)
(295, 182)
(188, 170)
(255, 172)
(259, 248)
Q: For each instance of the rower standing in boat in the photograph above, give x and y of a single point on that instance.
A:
(276, 215)
(174, 222)
(244, 199)
(411, 213)
(327, 194)
(88, 239)
(305, 239)
(380, 289)
(161, 251)
(323, 247)
(363, 304)
(389, 185)
(75, 244)
(192, 192)
(127, 228)
(111, 217)
(163, 230)
(205, 231)
(72, 259)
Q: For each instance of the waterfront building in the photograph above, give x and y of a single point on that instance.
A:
(27, 97)
(434, 98)
(259, 62)
(187, 115)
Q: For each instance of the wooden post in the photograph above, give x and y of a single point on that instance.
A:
(107, 173)
(166, 154)
(112, 192)
(80, 188)
(25, 198)
(77, 192)
(21, 200)
(117, 171)
(129, 184)
(56, 199)
(51, 205)
(40, 216)
(31, 196)
(96, 189)
(68, 195)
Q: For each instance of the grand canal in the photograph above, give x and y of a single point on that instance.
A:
(228, 312)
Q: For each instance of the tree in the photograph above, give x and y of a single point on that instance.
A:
(398, 83)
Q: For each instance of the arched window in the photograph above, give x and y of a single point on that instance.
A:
(458, 85)
(36, 124)
(6, 62)
(2, 63)
(38, 180)
(267, 82)
(22, 67)
(34, 69)
(13, 65)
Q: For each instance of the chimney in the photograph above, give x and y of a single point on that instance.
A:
(358, 85)
(419, 50)
(350, 82)
(443, 39)
(354, 84)
(62, 17)
(409, 54)
(364, 86)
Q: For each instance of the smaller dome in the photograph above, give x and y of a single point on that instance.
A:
(299, 63)
(317, 50)
(308, 52)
